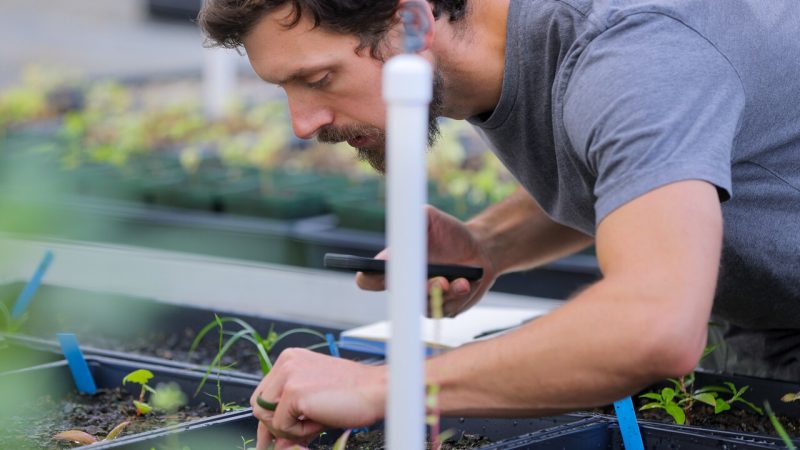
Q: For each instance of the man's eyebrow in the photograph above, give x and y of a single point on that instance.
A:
(299, 73)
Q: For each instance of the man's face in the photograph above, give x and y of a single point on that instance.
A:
(334, 93)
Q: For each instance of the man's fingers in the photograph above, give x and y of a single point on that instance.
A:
(371, 282)
(263, 437)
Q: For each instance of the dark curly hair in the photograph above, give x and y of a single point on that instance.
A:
(226, 22)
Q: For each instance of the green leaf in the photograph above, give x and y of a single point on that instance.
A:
(652, 396)
(667, 394)
(720, 406)
(140, 376)
(341, 443)
(707, 397)
(651, 406)
(142, 407)
(114, 433)
(708, 350)
(168, 397)
(731, 387)
(219, 356)
(779, 428)
(677, 413)
(718, 389)
(752, 406)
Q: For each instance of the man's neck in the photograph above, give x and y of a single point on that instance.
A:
(471, 58)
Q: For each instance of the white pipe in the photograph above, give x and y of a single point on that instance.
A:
(407, 89)
(219, 80)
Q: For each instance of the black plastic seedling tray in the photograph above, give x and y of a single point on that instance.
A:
(25, 390)
(228, 432)
(126, 327)
(18, 354)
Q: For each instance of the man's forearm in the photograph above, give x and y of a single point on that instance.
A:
(518, 235)
(597, 348)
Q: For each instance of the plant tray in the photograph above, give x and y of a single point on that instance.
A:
(41, 401)
(145, 330)
(228, 432)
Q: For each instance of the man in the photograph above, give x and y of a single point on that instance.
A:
(667, 132)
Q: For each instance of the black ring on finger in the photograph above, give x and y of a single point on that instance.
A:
(265, 404)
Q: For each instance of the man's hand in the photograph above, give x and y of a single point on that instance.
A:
(314, 392)
(450, 241)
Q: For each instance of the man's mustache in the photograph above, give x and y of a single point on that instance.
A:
(332, 135)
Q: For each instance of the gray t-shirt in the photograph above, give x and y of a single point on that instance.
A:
(606, 100)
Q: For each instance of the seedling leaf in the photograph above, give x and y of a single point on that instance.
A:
(142, 407)
(652, 396)
(667, 394)
(341, 443)
(168, 397)
(650, 406)
(140, 376)
(707, 398)
(779, 428)
(81, 437)
(116, 431)
(677, 413)
(720, 406)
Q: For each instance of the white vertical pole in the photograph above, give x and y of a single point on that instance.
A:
(219, 80)
(407, 89)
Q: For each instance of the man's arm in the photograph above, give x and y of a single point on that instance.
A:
(518, 235)
(514, 234)
(646, 320)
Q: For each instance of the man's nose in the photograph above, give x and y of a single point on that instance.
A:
(307, 118)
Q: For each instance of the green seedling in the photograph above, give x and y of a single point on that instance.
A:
(141, 377)
(779, 428)
(262, 343)
(7, 323)
(729, 388)
(341, 443)
(168, 397)
(223, 406)
(679, 400)
(666, 400)
(83, 438)
(246, 443)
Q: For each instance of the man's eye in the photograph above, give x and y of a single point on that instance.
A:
(321, 82)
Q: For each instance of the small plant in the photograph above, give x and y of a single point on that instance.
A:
(779, 428)
(7, 323)
(246, 442)
(341, 443)
(721, 404)
(84, 438)
(141, 377)
(262, 343)
(678, 400)
(666, 400)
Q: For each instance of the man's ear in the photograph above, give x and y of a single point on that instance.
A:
(423, 20)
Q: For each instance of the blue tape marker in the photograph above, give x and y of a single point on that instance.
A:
(628, 426)
(332, 345)
(77, 363)
(27, 294)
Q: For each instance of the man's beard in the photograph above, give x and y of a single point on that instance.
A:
(375, 155)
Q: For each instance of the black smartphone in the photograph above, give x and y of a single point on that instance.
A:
(370, 265)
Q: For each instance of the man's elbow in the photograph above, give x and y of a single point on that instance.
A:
(675, 343)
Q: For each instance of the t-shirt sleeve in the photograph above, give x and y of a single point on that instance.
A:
(651, 102)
